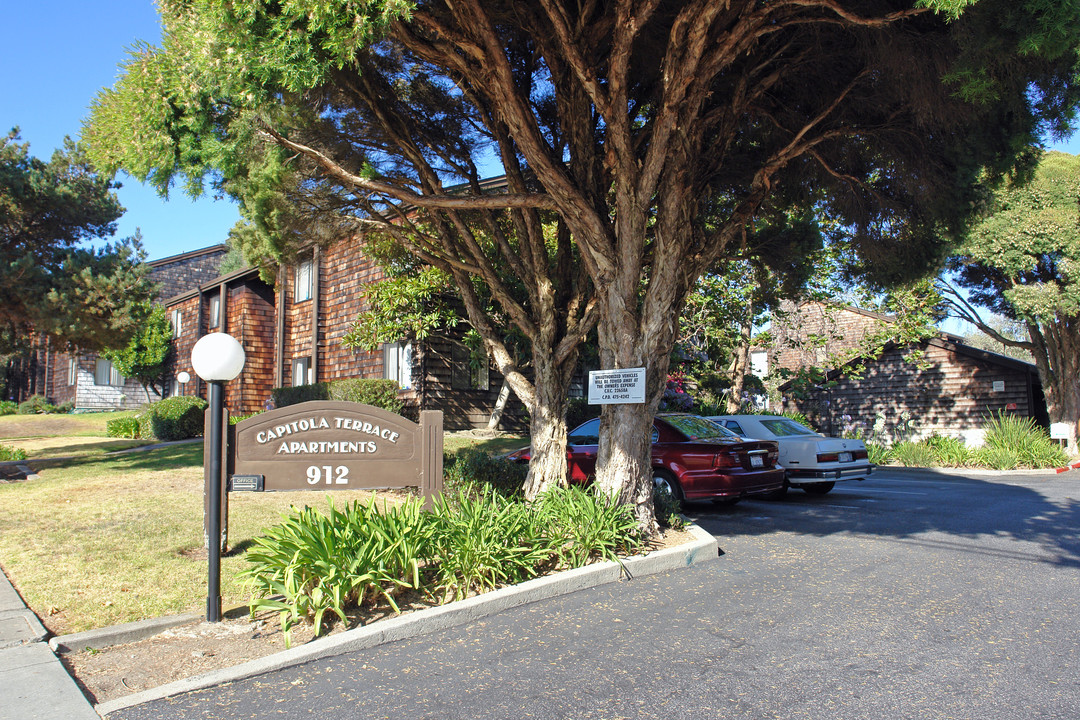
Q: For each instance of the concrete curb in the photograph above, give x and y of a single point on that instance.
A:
(702, 549)
(985, 472)
(119, 634)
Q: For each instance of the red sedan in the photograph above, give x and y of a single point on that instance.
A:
(694, 458)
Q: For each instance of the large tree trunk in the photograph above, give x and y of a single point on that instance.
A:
(500, 407)
(547, 425)
(633, 335)
(740, 364)
(1057, 356)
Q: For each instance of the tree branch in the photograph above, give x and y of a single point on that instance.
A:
(446, 202)
(964, 310)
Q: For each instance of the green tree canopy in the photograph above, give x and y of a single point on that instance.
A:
(655, 131)
(51, 282)
(145, 354)
(1022, 261)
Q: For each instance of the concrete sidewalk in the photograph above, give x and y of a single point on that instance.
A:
(34, 685)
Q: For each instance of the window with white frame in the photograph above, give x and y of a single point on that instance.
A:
(397, 363)
(106, 374)
(215, 310)
(304, 276)
(301, 371)
(73, 370)
(177, 323)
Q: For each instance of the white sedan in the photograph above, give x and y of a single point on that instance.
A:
(813, 462)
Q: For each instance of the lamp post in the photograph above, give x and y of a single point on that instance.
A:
(216, 358)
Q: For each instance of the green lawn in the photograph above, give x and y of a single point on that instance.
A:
(99, 541)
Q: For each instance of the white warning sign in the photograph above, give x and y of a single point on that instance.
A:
(611, 387)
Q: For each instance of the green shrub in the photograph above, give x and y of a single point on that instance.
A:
(122, 427)
(326, 563)
(474, 540)
(35, 405)
(878, 454)
(1029, 443)
(9, 453)
(996, 458)
(586, 525)
(471, 467)
(371, 391)
(8, 407)
(1049, 455)
(64, 408)
(285, 396)
(175, 418)
(911, 454)
(481, 540)
(948, 451)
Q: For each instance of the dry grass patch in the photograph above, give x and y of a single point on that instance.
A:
(69, 425)
(72, 447)
(92, 544)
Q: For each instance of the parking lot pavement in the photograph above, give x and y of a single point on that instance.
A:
(901, 597)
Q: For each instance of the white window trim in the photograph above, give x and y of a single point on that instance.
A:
(301, 367)
(215, 311)
(115, 379)
(397, 363)
(305, 274)
(177, 323)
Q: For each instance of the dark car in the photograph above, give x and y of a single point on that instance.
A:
(694, 458)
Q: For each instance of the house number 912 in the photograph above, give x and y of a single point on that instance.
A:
(327, 473)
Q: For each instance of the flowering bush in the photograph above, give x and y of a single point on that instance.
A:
(675, 396)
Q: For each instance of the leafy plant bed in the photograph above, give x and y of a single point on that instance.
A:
(191, 650)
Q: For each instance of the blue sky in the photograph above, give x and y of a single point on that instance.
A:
(56, 56)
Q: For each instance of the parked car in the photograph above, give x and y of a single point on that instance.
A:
(812, 461)
(693, 458)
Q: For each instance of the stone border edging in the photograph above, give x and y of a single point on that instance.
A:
(422, 622)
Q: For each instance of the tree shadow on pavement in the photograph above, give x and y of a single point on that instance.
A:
(967, 509)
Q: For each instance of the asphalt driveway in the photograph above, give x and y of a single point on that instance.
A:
(906, 596)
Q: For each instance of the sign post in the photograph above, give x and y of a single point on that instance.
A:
(216, 358)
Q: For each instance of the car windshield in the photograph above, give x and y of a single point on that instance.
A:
(785, 427)
(698, 428)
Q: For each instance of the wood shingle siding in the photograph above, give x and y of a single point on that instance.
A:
(948, 388)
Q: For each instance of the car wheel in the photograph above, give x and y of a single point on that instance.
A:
(663, 480)
(818, 488)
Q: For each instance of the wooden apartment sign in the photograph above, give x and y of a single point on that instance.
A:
(329, 445)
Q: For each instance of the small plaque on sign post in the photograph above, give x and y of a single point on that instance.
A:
(617, 387)
(1059, 431)
(245, 483)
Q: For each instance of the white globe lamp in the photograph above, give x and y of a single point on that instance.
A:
(217, 357)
